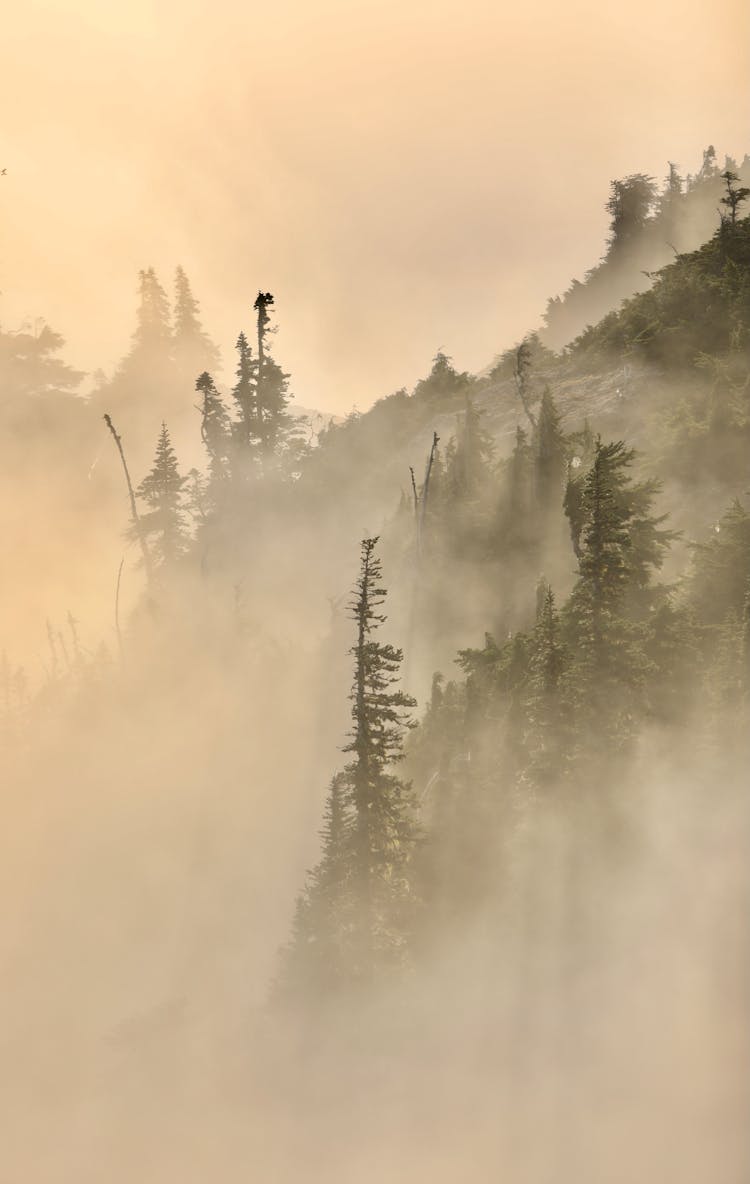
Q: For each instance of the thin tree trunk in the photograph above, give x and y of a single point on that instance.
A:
(419, 516)
(426, 489)
(362, 775)
(415, 496)
(117, 608)
(133, 508)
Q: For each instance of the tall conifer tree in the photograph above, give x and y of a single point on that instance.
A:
(353, 920)
(194, 351)
(163, 522)
(384, 830)
(550, 454)
(216, 432)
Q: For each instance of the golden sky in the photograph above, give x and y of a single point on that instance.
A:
(404, 176)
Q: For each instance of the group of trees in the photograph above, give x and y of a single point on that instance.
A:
(649, 224)
(549, 716)
(554, 550)
(261, 442)
(169, 345)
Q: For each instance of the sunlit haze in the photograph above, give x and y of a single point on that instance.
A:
(404, 176)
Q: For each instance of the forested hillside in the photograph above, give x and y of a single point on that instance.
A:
(403, 756)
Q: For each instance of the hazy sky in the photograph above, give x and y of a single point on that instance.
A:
(405, 175)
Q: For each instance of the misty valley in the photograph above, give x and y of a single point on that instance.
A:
(376, 785)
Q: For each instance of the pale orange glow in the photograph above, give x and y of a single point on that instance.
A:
(405, 176)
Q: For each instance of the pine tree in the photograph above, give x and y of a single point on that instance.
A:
(721, 574)
(30, 367)
(672, 191)
(268, 439)
(469, 462)
(725, 680)
(153, 336)
(573, 505)
(603, 564)
(734, 196)
(443, 382)
(353, 919)
(145, 388)
(519, 475)
(546, 706)
(216, 432)
(709, 167)
(161, 490)
(384, 830)
(516, 517)
(629, 206)
(244, 395)
(621, 545)
(277, 427)
(550, 454)
(277, 433)
(194, 352)
(315, 961)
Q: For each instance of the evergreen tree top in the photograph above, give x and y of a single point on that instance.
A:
(193, 346)
(153, 327)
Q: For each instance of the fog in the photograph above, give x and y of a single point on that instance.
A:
(409, 179)
(317, 869)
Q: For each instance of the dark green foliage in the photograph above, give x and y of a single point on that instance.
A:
(621, 545)
(278, 432)
(721, 575)
(622, 542)
(574, 507)
(515, 530)
(550, 458)
(216, 433)
(700, 305)
(163, 522)
(672, 648)
(244, 395)
(545, 713)
(267, 437)
(443, 382)
(549, 722)
(629, 205)
(646, 232)
(384, 829)
(520, 479)
(354, 918)
(726, 676)
(469, 456)
(734, 196)
(669, 201)
(316, 959)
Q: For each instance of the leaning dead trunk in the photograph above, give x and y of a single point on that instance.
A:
(420, 510)
(133, 508)
(426, 486)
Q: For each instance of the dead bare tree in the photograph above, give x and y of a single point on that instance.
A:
(133, 507)
(117, 607)
(420, 509)
(426, 486)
